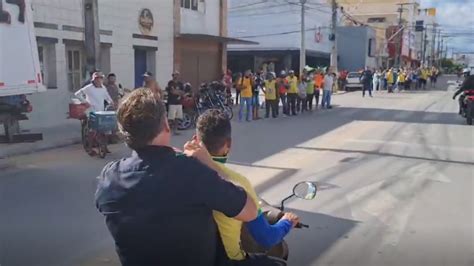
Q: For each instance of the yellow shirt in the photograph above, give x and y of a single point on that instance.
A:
(246, 91)
(401, 77)
(293, 82)
(270, 90)
(230, 228)
(389, 77)
(424, 74)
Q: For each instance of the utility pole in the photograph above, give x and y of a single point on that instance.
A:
(439, 47)
(333, 33)
(425, 42)
(400, 43)
(441, 51)
(91, 34)
(433, 44)
(400, 10)
(303, 36)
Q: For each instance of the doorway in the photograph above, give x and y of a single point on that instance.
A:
(140, 66)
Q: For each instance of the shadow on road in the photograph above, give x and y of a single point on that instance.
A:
(385, 154)
(289, 132)
(307, 245)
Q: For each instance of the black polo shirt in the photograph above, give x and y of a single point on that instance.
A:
(158, 207)
(172, 98)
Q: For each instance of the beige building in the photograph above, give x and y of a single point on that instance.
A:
(383, 16)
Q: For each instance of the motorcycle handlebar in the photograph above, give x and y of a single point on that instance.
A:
(301, 225)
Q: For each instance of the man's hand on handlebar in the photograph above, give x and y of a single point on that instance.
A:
(293, 218)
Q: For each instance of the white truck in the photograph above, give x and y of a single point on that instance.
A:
(20, 73)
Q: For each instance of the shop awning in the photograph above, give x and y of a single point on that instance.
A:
(221, 39)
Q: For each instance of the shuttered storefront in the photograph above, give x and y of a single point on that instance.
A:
(199, 62)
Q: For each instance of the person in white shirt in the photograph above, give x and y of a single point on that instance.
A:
(327, 90)
(95, 94)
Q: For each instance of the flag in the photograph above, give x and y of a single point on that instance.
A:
(432, 12)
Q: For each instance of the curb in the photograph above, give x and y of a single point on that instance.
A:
(40, 146)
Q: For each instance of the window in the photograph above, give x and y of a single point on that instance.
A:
(74, 67)
(376, 20)
(47, 61)
(41, 61)
(190, 4)
(371, 50)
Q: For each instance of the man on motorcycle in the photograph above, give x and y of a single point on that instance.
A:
(214, 130)
(158, 203)
(467, 88)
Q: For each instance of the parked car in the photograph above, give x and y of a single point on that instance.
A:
(353, 81)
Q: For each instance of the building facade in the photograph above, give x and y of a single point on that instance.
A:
(383, 16)
(356, 48)
(275, 29)
(135, 36)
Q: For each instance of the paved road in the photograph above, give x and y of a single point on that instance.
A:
(395, 174)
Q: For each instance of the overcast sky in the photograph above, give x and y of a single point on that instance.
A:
(455, 16)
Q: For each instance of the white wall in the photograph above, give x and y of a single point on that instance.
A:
(119, 16)
(205, 20)
(265, 22)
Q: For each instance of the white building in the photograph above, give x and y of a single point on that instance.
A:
(275, 27)
(136, 36)
(127, 48)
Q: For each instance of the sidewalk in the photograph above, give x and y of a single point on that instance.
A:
(68, 132)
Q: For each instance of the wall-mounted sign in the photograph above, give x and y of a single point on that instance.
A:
(145, 21)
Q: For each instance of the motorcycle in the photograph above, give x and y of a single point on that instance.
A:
(303, 190)
(213, 97)
(467, 107)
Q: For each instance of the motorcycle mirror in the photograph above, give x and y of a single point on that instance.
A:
(305, 190)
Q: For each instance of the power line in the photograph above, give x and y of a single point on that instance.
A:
(247, 5)
(278, 34)
(244, 12)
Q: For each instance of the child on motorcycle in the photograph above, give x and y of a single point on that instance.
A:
(214, 131)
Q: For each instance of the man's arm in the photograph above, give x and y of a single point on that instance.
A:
(80, 95)
(223, 196)
(268, 235)
(464, 86)
(108, 98)
(217, 193)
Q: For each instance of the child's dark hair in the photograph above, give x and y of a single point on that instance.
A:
(214, 130)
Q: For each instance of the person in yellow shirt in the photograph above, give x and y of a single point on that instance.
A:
(424, 77)
(390, 80)
(245, 84)
(401, 80)
(271, 101)
(292, 91)
(214, 130)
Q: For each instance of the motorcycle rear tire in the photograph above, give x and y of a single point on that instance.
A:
(469, 113)
(86, 140)
(229, 112)
(186, 122)
(102, 150)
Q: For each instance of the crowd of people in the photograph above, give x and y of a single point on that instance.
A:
(393, 79)
(295, 94)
